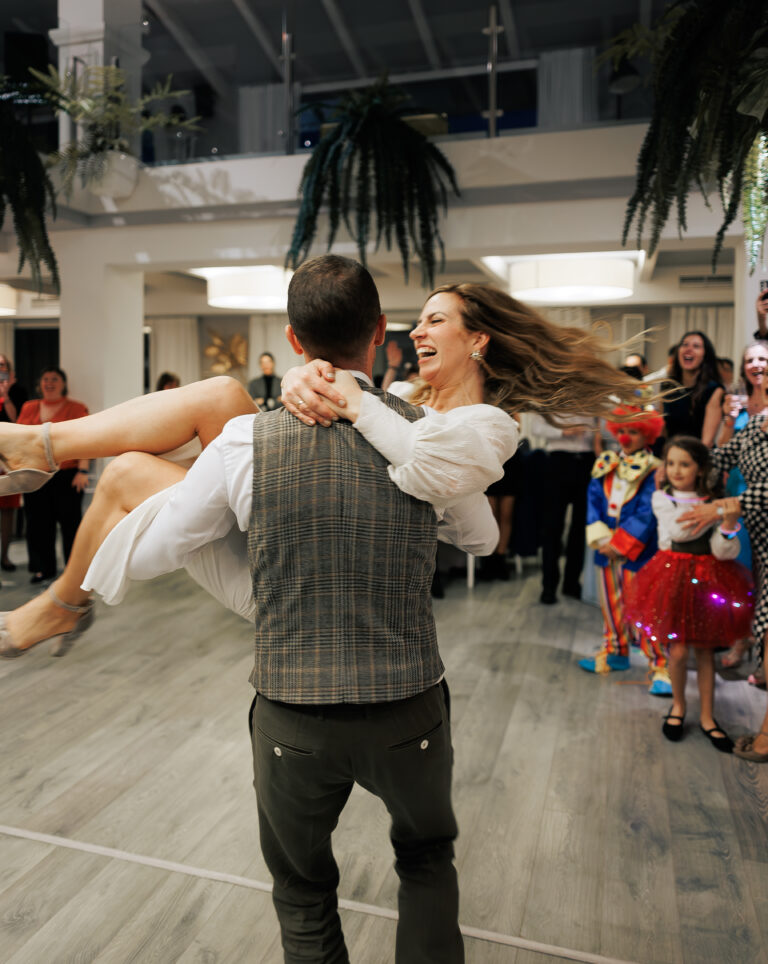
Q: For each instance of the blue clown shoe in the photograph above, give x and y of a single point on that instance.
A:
(603, 662)
(661, 685)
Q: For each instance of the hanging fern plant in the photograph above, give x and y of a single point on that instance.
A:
(710, 86)
(26, 189)
(373, 168)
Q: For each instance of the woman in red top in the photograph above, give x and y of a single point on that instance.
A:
(60, 499)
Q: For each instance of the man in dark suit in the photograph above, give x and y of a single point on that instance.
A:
(349, 682)
(265, 390)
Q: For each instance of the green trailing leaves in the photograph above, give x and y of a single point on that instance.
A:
(373, 166)
(107, 119)
(710, 85)
(26, 189)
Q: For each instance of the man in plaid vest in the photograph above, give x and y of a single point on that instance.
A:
(348, 678)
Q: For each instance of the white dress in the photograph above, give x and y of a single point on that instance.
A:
(447, 459)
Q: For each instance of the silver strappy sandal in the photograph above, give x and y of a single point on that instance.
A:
(61, 643)
(29, 480)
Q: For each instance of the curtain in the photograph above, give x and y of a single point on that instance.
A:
(7, 331)
(715, 321)
(576, 317)
(174, 347)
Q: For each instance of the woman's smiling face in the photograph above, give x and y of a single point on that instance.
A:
(51, 386)
(443, 344)
(756, 365)
(690, 353)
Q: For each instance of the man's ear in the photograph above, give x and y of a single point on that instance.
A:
(293, 341)
(381, 331)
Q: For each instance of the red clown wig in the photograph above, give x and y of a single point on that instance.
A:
(628, 416)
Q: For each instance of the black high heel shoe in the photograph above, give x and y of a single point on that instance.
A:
(673, 731)
(723, 743)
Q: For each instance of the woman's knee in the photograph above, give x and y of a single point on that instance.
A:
(227, 394)
(123, 473)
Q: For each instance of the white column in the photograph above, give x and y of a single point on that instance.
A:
(96, 32)
(101, 328)
(746, 288)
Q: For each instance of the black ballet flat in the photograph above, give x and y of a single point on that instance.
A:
(673, 732)
(723, 743)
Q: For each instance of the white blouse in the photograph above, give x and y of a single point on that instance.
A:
(446, 455)
(200, 522)
(667, 507)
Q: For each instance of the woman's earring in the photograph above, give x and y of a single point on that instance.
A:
(476, 356)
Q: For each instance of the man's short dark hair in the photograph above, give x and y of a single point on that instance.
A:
(333, 307)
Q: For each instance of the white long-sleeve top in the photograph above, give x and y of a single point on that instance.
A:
(446, 455)
(460, 452)
(667, 507)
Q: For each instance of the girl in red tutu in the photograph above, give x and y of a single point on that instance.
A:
(692, 592)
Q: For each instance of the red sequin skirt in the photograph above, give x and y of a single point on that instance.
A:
(698, 600)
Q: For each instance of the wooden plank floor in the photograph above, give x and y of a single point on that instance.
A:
(581, 828)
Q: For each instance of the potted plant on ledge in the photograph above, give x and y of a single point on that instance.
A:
(107, 124)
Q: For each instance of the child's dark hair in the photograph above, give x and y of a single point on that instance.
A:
(708, 481)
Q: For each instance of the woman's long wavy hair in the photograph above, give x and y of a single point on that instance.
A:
(707, 371)
(532, 365)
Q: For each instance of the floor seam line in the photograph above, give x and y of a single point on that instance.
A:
(371, 910)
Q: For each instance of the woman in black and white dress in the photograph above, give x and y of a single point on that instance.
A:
(748, 450)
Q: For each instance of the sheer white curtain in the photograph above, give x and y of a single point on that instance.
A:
(715, 321)
(174, 347)
(6, 340)
(576, 317)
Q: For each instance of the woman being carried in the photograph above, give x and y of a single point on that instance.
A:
(479, 351)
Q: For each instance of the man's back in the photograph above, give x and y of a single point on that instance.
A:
(358, 628)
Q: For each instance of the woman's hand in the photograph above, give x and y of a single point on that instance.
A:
(731, 512)
(307, 391)
(352, 393)
(701, 517)
(80, 480)
(394, 354)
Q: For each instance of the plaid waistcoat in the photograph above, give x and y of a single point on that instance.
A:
(342, 564)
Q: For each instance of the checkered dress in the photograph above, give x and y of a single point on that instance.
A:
(748, 449)
(342, 563)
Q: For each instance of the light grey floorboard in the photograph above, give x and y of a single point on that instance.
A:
(579, 826)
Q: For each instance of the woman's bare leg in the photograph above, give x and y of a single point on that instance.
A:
(124, 484)
(153, 423)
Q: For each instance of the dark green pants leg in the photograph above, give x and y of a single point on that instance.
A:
(410, 769)
(305, 761)
(300, 793)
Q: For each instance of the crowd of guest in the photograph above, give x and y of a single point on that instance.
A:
(683, 485)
